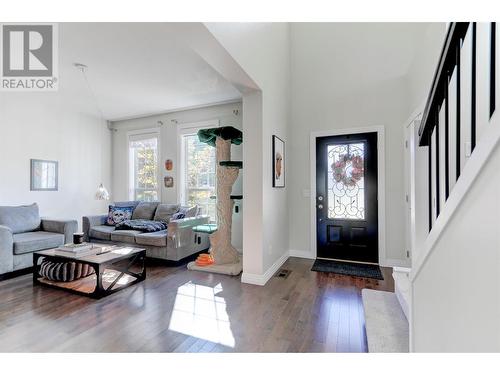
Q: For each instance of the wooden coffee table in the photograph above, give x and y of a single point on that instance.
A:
(115, 267)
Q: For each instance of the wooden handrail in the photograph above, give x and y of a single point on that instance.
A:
(447, 62)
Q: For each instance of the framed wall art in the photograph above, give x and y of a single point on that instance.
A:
(44, 175)
(278, 162)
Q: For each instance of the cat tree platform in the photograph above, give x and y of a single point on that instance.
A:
(231, 269)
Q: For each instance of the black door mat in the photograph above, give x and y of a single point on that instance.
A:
(350, 269)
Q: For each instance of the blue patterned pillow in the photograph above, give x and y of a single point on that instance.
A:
(178, 215)
(118, 214)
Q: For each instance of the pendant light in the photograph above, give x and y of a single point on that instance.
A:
(102, 193)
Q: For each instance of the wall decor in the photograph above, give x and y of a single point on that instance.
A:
(169, 164)
(278, 162)
(44, 175)
(168, 181)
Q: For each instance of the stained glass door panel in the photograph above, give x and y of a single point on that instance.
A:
(346, 181)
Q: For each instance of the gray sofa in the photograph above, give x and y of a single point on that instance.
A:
(175, 243)
(23, 232)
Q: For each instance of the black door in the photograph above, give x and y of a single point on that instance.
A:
(346, 197)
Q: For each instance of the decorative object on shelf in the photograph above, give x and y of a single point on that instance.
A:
(169, 164)
(168, 181)
(278, 162)
(44, 175)
(102, 193)
(349, 169)
(223, 257)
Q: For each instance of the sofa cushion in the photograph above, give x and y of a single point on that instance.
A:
(164, 212)
(145, 210)
(20, 219)
(101, 232)
(34, 241)
(116, 214)
(152, 239)
(127, 236)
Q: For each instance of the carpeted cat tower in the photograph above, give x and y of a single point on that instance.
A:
(222, 257)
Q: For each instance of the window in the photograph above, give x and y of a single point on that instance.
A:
(198, 174)
(143, 166)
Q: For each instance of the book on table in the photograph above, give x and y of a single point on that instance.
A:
(77, 250)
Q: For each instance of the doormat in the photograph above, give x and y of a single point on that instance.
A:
(350, 269)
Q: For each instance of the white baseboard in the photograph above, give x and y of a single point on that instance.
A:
(257, 279)
(302, 254)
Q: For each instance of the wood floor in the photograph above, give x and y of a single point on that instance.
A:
(176, 310)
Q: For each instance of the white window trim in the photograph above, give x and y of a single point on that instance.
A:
(188, 129)
(137, 135)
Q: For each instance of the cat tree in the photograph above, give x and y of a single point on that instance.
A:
(223, 257)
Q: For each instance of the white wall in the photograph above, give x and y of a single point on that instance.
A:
(428, 46)
(62, 126)
(262, 50)
(222, 113)
(321, 102)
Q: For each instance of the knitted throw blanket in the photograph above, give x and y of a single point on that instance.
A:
(141, 225)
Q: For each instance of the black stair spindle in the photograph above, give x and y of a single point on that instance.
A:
(436, 119)
(446, 141)
(493, 31)
(473, 89)
(430, 180)
(458, 140)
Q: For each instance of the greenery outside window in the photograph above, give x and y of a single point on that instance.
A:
(198, 174)
(143, 167)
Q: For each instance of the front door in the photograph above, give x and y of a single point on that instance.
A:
(346, 197)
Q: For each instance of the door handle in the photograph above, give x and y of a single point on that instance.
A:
(320, 206)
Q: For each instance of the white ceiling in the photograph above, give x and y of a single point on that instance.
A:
(138, 69)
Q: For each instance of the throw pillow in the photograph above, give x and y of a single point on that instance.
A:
(118, 214)
(178, 216)
(189, 211)
(164, 212)
(145, 211)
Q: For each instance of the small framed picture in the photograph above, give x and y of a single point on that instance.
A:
(278, 162)
(169, 164)
(168, 181)
(44, 175)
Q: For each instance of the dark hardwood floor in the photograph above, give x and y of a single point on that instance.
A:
(176, 310)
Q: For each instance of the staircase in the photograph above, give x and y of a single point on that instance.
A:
(454, 283)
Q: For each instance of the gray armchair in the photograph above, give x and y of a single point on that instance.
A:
(23, 232)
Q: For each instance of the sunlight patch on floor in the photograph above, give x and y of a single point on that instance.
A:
(199, 312)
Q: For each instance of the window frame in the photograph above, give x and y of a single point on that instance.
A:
(185, 129)
(137, 135)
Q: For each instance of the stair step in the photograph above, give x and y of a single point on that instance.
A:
(231, 164)
(402, 288)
